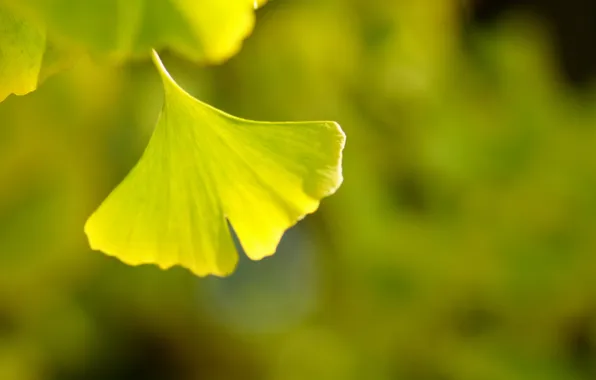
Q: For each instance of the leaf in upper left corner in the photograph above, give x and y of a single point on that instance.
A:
(208, 31)
(27, 56)
(22, 46)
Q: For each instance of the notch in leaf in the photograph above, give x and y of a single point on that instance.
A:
(202, 168)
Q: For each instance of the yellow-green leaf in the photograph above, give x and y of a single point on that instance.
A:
(206, 30)
(22, 46)
(204, 168)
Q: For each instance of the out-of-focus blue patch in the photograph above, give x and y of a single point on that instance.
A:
(270, 295)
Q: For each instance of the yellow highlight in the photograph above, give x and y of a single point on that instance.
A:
(22, 46)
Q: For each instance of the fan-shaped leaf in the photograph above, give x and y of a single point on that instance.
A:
(203, 168)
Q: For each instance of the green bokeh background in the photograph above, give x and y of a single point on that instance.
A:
(461, 246)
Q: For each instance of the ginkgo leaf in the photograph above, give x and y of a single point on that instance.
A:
(207, 30)
(204, 168)
(22, 46)
(27, 56)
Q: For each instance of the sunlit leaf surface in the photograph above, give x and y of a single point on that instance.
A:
(203, 168)
(22, 46)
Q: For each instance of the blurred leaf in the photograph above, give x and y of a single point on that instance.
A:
(259, 3)
(210, 30)
(203, 166)
(56, 58)
(22, 45)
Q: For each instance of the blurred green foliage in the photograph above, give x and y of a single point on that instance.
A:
(200, 30)
(461, 245)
